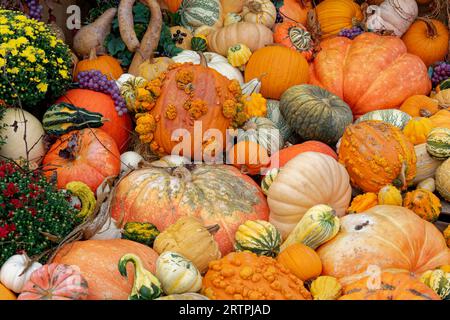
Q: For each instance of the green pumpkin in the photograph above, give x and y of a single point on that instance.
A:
(142, 232)
(315, 114)
(199, 44)
(64, 117)
(438, 143)
(274, 114)
(266, 182)
(260, 237)
(439, 281)
(262, 131)
(392, 116)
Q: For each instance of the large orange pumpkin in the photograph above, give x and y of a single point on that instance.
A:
(295, 10)
(391, 237)
(376, 154)
(118, 127)
(98, 259)
(369, 73)
(88, 155)
(428, 39)
(189, 94)
(280, 68)
(218, 194)
(392, 286)
(107, 65)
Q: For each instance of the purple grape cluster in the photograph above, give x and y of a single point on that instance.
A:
(97, 81)
(35, 9)
(351, 33)
(441, 72)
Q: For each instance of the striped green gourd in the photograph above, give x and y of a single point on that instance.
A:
(199, 43)
(274, 114)
(266, 182)
(439, 281)
(438, 143)
(259, 236)
(196, 13)
(264, 132)
(392, 116)
(64, 117)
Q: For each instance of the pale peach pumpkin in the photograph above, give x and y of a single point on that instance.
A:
(370, 72)
(98, 259)
(217, 194)
(391, 237)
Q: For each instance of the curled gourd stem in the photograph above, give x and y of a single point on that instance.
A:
(150, 40)
(213, 229)
(203, 61)
(431, 28)
(183, 173)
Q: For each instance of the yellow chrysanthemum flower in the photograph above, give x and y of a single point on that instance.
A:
(42, 87)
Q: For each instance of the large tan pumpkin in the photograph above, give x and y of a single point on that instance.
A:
(218, 194)
(391, 237)
(98, 260)
(309, 179)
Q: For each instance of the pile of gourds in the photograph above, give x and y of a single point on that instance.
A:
(337, 169)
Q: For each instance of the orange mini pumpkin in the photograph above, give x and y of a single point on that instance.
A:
(301, 260)
(294, 36)
(369, 73)
(107, 65)
(376, 154)
(249, 157)
(88, 155)
(420, 106)
(282, 68)
(391, 286)
(246, 276)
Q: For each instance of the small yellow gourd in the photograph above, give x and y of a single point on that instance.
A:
(85, 195)
(326, 288)
(255, 105)
(363, 202)
(319, 225)
(238, 55)
(417, 130)
(390, 195)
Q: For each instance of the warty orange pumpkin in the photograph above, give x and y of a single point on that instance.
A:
(376, 154)
(369, 73)
(391, 237)
(282, 67)
(218, 194)
(98, 260)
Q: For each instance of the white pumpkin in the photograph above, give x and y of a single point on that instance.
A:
(171, 161)
(11, 273)
(214, 61)
(129, 161)
(253, 86)
(15, 148)
(177, 274)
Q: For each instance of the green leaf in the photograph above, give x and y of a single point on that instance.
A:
(166, 45)
(114, 45)
(278, 3)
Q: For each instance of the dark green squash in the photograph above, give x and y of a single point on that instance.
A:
(64, 117)
(142, 232)
(315, 113)
(199, 43)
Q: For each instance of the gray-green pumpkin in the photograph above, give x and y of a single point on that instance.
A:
(274, 114)
(315, 113)
(392, 116)
(262, 131)
(438, 143)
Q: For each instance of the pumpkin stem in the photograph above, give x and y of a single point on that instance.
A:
(203, 61)
(213, 229)
(425, 113)
(400, 181)
(254, 6)
(93, 54)
(431, 28)
(182, 173)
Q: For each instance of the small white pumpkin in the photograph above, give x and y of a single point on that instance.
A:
(15, 148)
(177, 274)
(129, 161)
(124, 78)
(11, 273)
(214, 61)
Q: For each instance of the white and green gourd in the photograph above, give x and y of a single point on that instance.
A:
(259, 236)
(438, 143)
(196, 13)
(392, 116)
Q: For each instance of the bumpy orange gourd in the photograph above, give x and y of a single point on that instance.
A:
(282, 68)
(369, 73)
(301, 260)
(107, 65)
(427, 39)
(246, 276)
(363, 202)
(376, 154)
(391, 237)
(217, 194)
(184, 95)
(295, 10)
(423, 203)
(420, 106)
(98, 259)
(417, 130)
(335, 15)
(249, 157)
(89, 155)
(393, 286)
